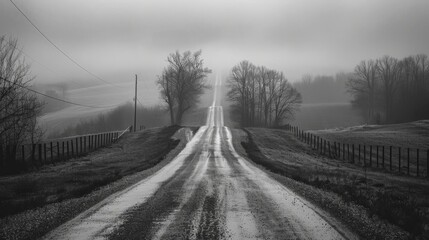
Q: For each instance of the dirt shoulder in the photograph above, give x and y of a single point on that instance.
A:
(374, 205)
(43, 200)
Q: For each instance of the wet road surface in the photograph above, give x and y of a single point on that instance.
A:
(207, 192)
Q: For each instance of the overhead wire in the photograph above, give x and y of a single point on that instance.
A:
(41, 64)
(59, 49)
(58, 99)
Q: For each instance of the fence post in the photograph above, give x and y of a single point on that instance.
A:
(72, 148)
(335, 149)
(344, 151)
(348, 152)
(317, 142)
(63, 155)
(58, 151)
(383, 157)
(353, 153)
(81, 145)
(40, 154)
(418, 168)
(329, 148)
(84, 144)
(44, 152)
(364, 155)
(1, 155)
(33, 152)
(90, 142)
(68, 150)
(52, 152)
(23, 153)
(370, 155)
(408, 161)
(359, 153)
(390, 157)
(399, 159)
(377, 155)
(427, 163)
(324, 146)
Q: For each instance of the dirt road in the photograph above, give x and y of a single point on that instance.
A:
(207, 192)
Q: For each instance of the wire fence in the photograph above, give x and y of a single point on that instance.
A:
(55, 150)
(409, 161)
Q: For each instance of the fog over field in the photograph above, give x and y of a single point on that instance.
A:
(115, 40)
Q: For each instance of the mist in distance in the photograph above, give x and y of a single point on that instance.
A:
(116, 40)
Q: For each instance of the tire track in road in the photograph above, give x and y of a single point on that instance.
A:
(298, 217)
(207, 192)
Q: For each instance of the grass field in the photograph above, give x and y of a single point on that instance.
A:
(77, 177)
(376, 205)
(412, 135)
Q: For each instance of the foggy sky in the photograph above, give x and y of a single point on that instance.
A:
(116, 39)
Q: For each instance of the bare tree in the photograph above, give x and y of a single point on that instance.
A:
(388, 69)
(286, 101)
(363, 85)
(399, 89)
(182, 82)
(18, 106)
(241, 75)
(263, 97)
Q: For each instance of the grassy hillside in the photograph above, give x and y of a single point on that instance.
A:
(135, 152)
(55, 194)
(377, 205)
(412, 135)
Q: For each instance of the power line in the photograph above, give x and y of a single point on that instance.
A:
(138, 100)
(77, 84)
(59, 49)
(55, 98)
(41, 64)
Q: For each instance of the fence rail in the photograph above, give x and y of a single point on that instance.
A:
(56, 150)
(410, 161)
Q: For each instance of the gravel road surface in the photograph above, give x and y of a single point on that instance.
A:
(207, 192)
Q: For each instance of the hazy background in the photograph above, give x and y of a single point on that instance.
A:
(117, 39)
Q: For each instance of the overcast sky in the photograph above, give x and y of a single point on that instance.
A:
(116, 39)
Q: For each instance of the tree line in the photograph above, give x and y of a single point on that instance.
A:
(261, 96)
(389, 90)
(324, 88)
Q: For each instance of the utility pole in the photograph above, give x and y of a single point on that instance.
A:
(135, 107)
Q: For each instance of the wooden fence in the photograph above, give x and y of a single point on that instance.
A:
(410, 161)
(56, 150)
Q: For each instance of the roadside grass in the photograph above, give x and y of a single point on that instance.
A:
(398, 200)
(77, 177)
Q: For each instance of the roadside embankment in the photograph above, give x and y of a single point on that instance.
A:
(375, 205)
(34, 203)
